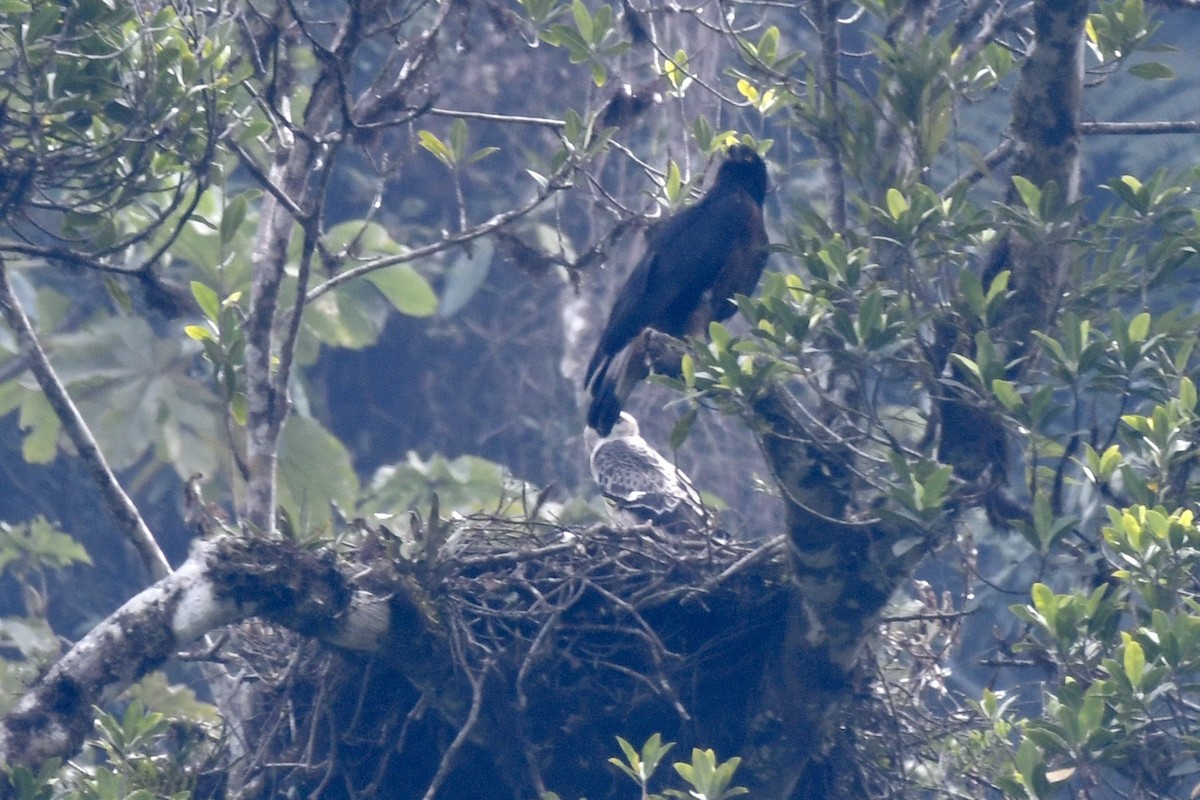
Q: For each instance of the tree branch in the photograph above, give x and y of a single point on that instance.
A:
(829, 111)
(119, 503)
(553, 184)
(1138, 128)
(266, 404)
(226, 579)
(507, 119)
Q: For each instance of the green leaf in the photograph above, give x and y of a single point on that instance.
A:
(583, 20)
(41, 425)
(1110, 459)
(1030, 194)
(933, 487)
(1139, 327)
(971, 290)
(406, 289)
(673, 187)
(999, 286)
(719, 335)
(315, 473)
(358, 238)
(482, 153)
(702, 131)
(1006, 393)
(967, 364)
(768, 45)
(1091, 713)
(1044, 602)
(1032, 768)
(234, 216)
(681, 429)
(436, 146)
(896, 203)
(687, 366)
(458, 139)
(1134, 662)
(1187, 394)
(466, 274)
(353, 316)
(207, 299)
(1152, 71)
(675, 70)
(653, 752)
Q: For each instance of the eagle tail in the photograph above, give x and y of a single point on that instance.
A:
(611, 383)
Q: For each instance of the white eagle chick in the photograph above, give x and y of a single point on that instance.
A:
(643, 485)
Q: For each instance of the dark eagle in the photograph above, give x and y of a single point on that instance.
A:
(642, 485)
(695, 262)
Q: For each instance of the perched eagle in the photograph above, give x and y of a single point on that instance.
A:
(695, 262)
(643, 485)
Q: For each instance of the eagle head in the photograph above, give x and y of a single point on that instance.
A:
(743, 168)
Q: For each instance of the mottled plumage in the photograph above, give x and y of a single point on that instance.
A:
(695, 262)
(642, 485)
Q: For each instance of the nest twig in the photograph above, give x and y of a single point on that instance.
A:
(517, 591)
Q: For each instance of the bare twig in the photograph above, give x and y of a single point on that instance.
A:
(1138, 128)
(766, 550)
(508, 119)
(990, 161)
(464, 732)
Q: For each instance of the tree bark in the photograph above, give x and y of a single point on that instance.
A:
(1045, 124)
(844, 564)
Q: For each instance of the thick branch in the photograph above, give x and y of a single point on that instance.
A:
(1049, 95)
(226, 579)
(828, 113)
(119, 503)
(292, 176)
(1045, 151)
(1046, 108)
(842, 573)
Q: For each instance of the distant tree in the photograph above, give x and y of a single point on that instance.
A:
(967, 377)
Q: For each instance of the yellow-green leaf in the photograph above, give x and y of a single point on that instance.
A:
(199, 333)
(1187, 394)
(1006, 393)
(1135, 662)
(40, 424)
(1139, 327)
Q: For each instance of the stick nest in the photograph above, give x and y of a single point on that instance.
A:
(601, 611)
